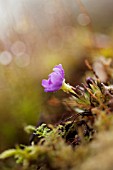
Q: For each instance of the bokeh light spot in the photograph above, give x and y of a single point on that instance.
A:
(18, 48)
(83, 19)
(23, 60)
(5, 58)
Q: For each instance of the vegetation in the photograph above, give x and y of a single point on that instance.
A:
(80, 138)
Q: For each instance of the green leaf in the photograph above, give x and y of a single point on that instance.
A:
(7, 153)
(29, 129)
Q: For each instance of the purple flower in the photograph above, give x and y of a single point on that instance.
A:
(55, 79)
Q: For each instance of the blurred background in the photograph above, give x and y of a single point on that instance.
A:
(34, 37)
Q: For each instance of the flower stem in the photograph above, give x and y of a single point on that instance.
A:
(67, 88)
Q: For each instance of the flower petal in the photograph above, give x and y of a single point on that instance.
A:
(55, 77)
(59, 69)
(45, 83)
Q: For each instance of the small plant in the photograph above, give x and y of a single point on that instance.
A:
(67, 144)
